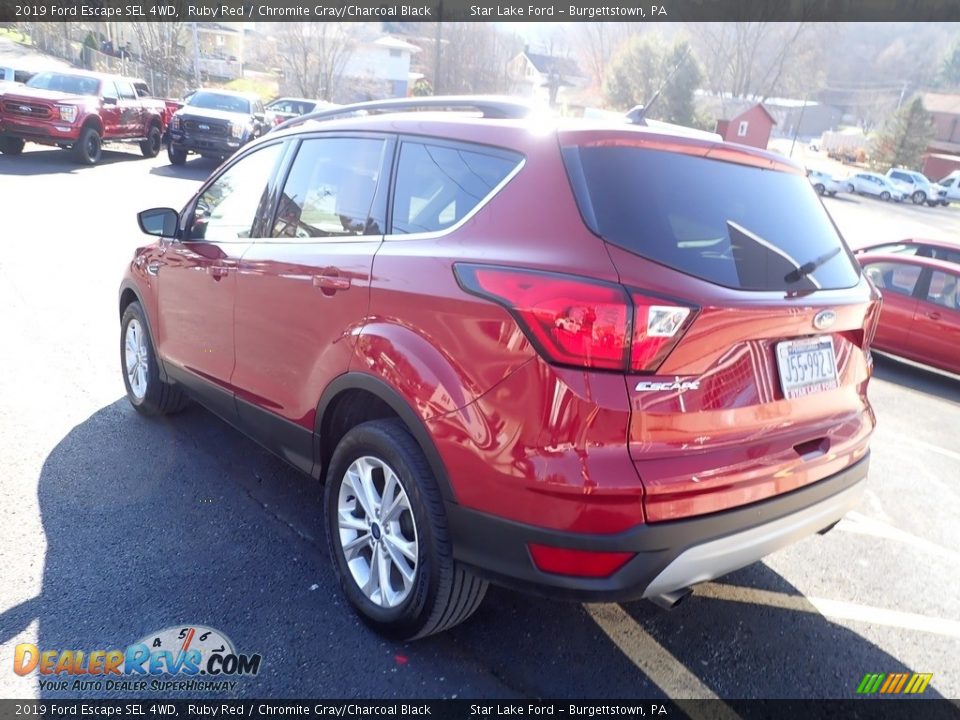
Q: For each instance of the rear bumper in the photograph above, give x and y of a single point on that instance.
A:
(669, 555)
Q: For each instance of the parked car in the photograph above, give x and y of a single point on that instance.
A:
(283, 109)
(824, 183)
(167, 106)
(546, 400)
(870, 183)
(215, 124)
(80, 111)
(937, 249)
(920, 188)
(920, 319)
(949, 188)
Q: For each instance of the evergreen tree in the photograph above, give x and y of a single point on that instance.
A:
(950, 69)
(904, 138)
(643, 65)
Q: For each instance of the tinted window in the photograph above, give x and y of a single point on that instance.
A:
(126, 90)
(901, 176)
(330, 189)
(437, 186)
(734, 225)
(894, 277)
(227, 208)
(73, 84)
(219, 101)
(943, 290)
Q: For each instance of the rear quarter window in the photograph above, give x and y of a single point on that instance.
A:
(734, 225)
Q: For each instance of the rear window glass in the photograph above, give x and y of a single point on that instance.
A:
(733, 225)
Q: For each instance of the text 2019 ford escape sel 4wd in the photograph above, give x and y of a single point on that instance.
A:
(592, 361)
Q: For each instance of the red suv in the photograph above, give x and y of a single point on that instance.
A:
(595, 361)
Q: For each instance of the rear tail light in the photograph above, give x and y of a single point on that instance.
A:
(580, 322)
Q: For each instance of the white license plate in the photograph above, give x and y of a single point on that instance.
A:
(806, 366)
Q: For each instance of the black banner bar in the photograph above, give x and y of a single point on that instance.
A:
(481, 10)
(864, 709)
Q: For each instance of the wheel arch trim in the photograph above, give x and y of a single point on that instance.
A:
(129, 286)
(414, 423)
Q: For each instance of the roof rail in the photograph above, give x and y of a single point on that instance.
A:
(488, 106)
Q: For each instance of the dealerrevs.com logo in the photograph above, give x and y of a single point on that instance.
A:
(200, 657)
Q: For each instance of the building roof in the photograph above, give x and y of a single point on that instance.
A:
(743, 109)
(549, 64)
(941, 103)
(394, 43)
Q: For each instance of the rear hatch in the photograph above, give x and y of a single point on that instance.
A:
(752, 321)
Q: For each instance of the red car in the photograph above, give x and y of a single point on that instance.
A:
(80, 111)
(920, 319)
(517, 353)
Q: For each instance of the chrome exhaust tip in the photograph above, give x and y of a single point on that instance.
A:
(669, 600)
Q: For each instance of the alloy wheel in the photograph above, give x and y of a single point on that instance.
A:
(135, 359)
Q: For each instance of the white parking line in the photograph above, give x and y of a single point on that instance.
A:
(831, 609)
(935, 449)
(657, 663)
(860, 524)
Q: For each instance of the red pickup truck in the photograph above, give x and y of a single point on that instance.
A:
(81, 111)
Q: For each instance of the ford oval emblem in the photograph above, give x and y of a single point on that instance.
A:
(824, 319)
(203, 127)
(26, 108)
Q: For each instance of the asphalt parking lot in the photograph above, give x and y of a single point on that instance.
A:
(115, 526)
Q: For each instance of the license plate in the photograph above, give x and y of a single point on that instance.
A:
(806, 366)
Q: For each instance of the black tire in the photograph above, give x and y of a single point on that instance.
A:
(849, 187)
(885, 196)
(832, 193)
(177, 156)
(11, 145)
(442, 593)
(820, 189)
(919, 197)
(87, 149)
(160, 398)
(154, 142)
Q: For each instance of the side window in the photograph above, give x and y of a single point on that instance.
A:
(897, 278)
(436, 185)
(943, 290)
(126, 90)
(227, 208)
(109, 90)
(330, 189)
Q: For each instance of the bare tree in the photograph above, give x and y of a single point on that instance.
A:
(758, 59)
(314, 55)
(473, 58)
(162, 48)
(596, 42)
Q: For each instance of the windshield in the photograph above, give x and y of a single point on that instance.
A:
(219, 101)
(61, 82)
(734, 225)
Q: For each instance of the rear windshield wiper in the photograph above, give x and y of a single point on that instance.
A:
(808, 267)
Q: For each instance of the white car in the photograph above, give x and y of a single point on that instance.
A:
(871, 183)
(824, 184)
(920, 188)
(950, 188)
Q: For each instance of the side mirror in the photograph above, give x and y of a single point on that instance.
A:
(260, 117)
(162, 222)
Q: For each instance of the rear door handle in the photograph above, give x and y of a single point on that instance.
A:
(330, 284)
(933, 315)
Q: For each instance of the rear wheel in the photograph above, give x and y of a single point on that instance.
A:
(176, 155)
(145, 390)
(849, 187)
(389, 538)
(819, 188)
(151, 146)
(11, 145)
(87, 149)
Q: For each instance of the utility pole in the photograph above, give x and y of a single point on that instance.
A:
(796, 130)
(903, 91)
(438, 39)
(196, 54)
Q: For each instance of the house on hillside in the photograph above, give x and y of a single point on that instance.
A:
(378, 68)
(749, 126)
(546, 79)
(943, 152)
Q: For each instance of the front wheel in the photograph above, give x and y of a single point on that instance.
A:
(919, 197)
(151, 146)
(145, 390)
(11, 145)
(885, 196)
(849, 187)
(819, 188)
(87, 149)
(177, 156)
(389, 538)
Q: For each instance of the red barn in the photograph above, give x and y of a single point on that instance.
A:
(751, 127)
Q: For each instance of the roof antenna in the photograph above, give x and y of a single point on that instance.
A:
(637, 115)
